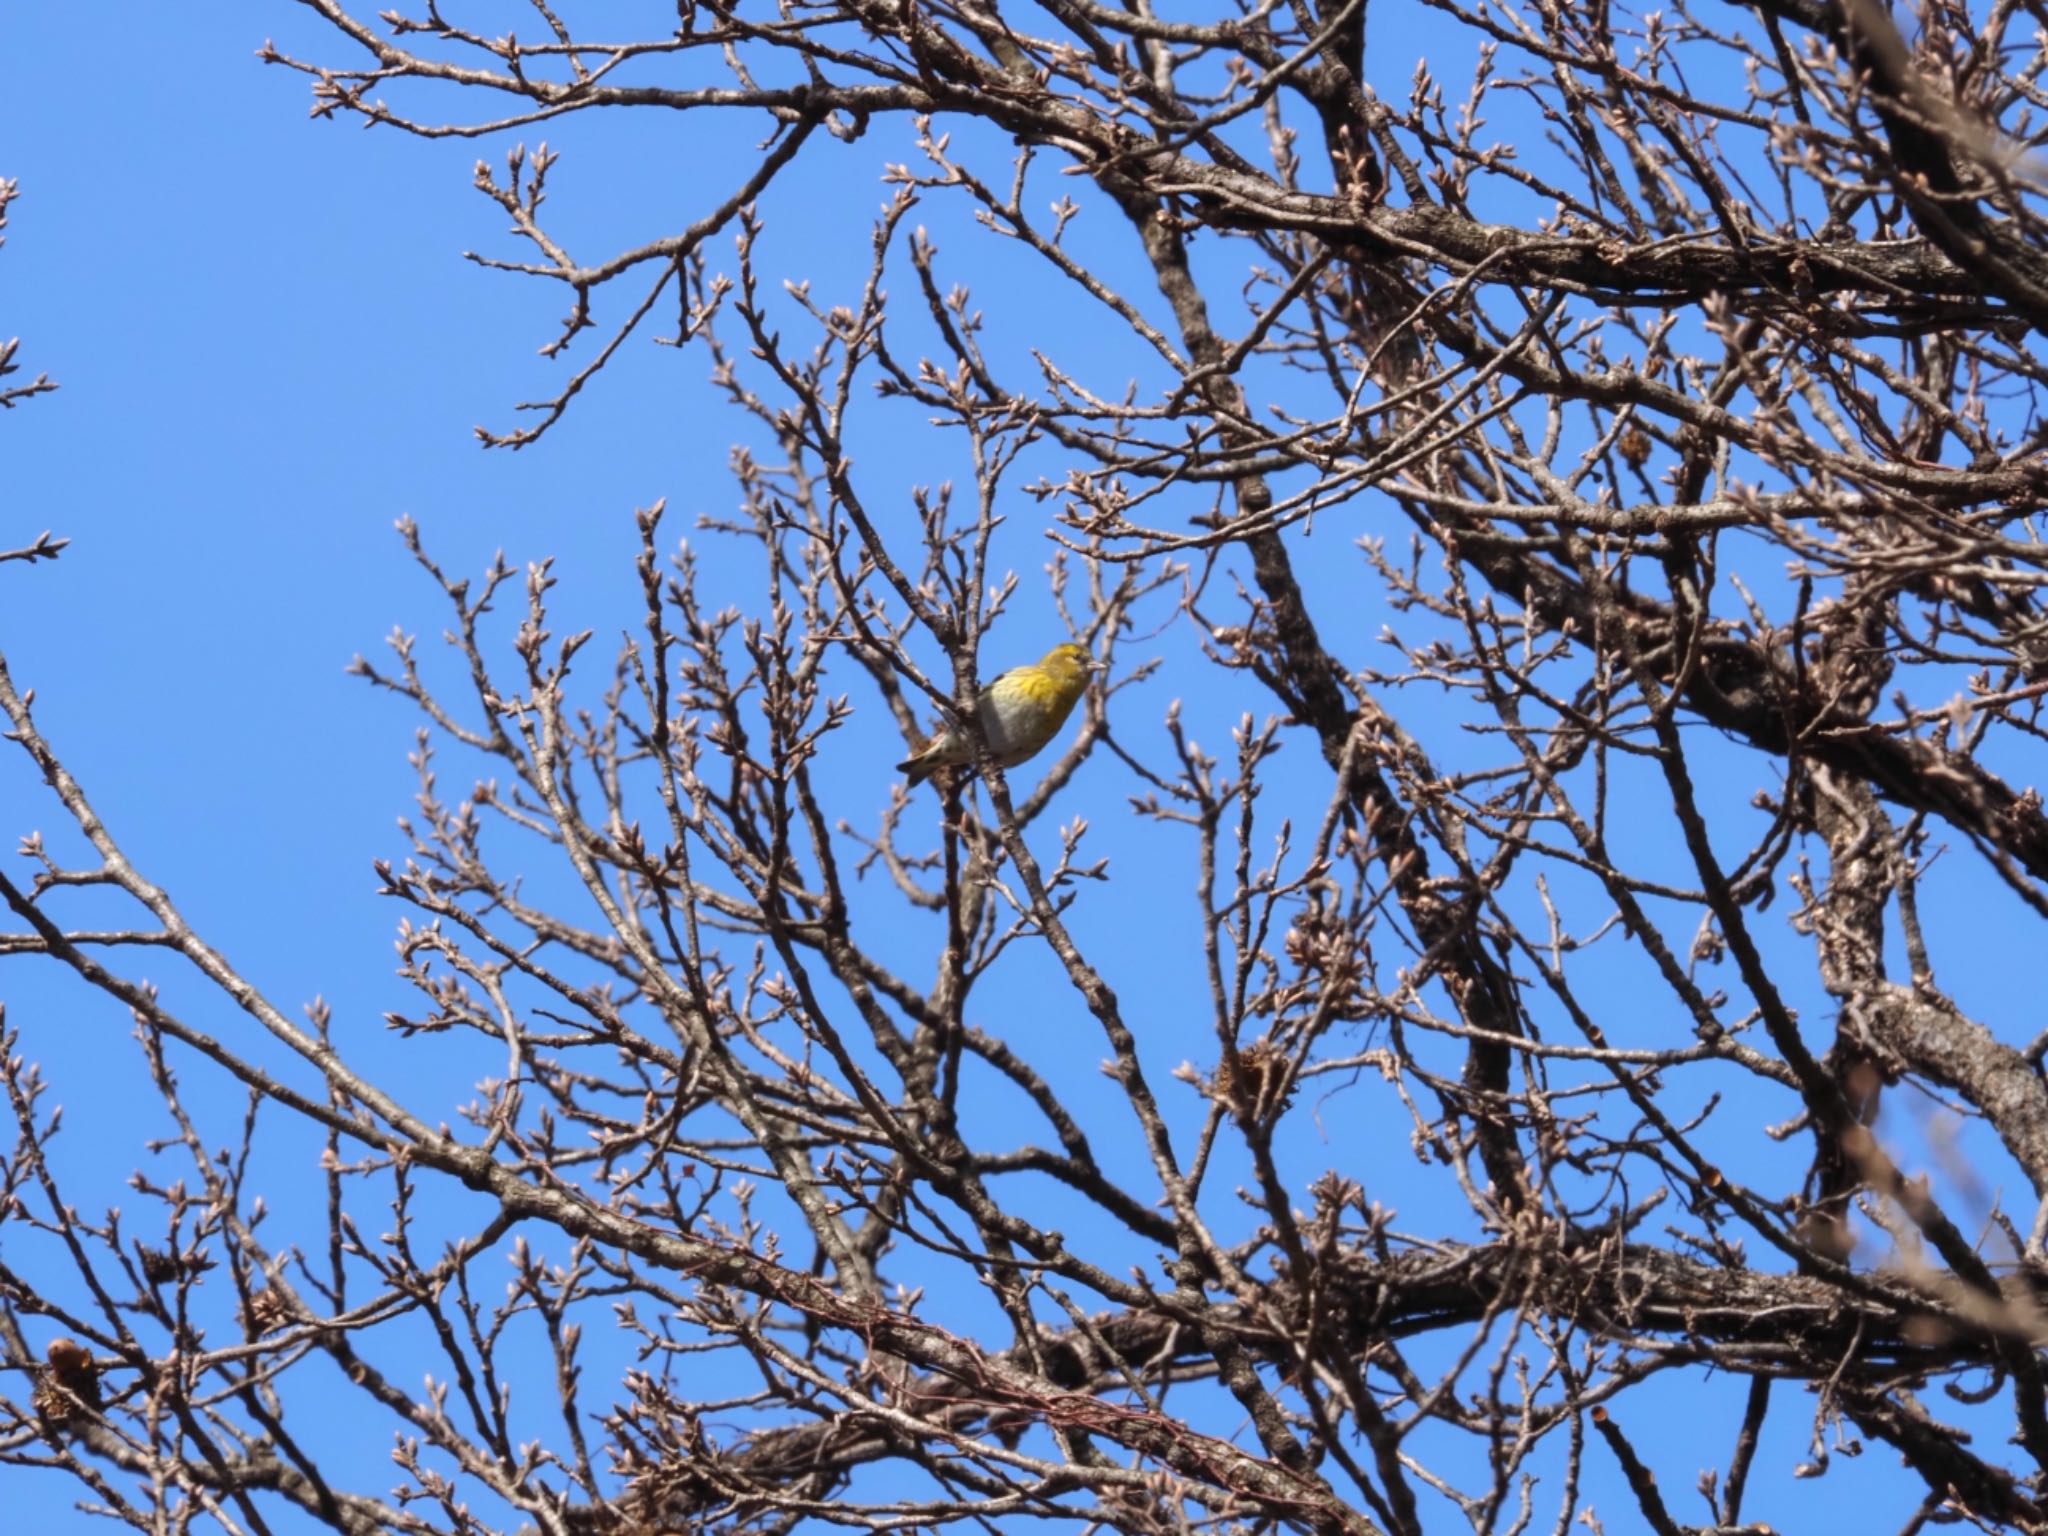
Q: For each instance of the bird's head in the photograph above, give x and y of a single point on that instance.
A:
(1068, 666)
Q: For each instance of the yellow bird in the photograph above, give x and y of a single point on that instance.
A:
(1019, 713)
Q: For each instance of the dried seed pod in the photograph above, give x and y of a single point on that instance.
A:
(268, 1312)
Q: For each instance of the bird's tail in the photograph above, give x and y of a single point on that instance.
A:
(916, 768)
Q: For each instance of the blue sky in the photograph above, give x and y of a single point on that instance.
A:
(270, 349)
